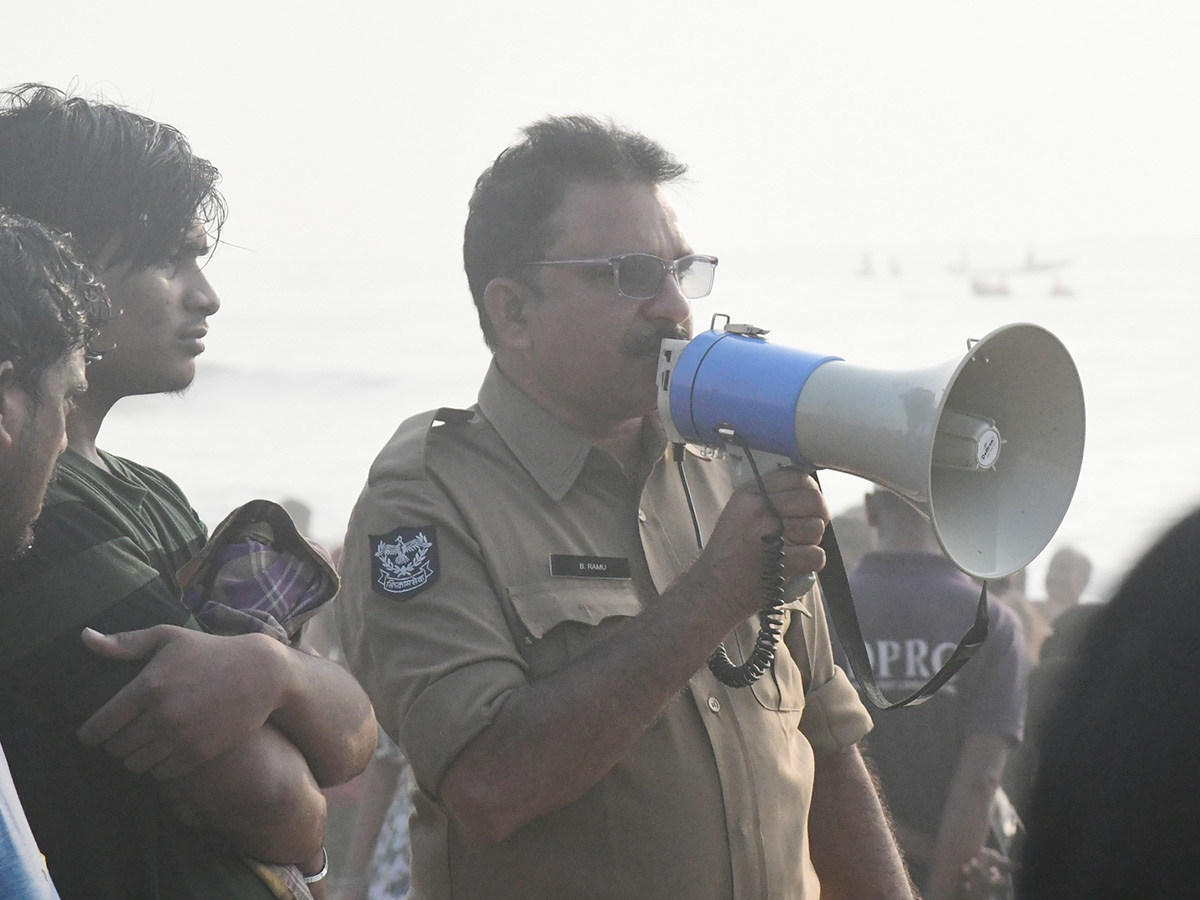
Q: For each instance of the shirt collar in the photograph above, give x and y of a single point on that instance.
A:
(549, 449)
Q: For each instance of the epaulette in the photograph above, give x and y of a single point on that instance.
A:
(448, 415)
(404, 455)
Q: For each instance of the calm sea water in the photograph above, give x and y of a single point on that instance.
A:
(301, 386)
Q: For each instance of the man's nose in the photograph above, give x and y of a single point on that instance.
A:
(669, 303)
(201, 295)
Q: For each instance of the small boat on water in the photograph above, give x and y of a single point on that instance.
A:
(994, 286)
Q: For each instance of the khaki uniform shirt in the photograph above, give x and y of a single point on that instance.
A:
(450, 601)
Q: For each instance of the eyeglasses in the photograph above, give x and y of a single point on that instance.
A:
(640, 276)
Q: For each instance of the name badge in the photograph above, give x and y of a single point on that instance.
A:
(589, 566)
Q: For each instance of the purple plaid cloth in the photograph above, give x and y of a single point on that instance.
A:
(258, 573)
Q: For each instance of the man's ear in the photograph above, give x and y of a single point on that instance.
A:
(508, 303)
(8, 400)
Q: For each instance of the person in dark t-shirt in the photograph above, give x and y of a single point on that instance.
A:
(940, 762)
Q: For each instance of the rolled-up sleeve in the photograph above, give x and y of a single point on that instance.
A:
(438, 661)
(834, 716)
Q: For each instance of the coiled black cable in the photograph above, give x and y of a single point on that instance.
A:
(772, 582)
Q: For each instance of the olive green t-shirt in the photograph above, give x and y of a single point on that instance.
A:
(106, 550)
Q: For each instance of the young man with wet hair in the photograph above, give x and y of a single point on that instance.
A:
(147, 779)
(50, 306)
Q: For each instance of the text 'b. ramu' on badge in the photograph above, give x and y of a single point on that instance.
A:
(561, 564)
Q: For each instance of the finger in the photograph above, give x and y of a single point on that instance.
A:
(124, 645)
(799, 500)
(133, 737)
(802, 559)
(787, 477)
(803, 531)
(175, 766)
(106, 722)
(147, 757)
(790, 493)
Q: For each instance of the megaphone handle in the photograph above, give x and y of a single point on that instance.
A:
(770, 622)
(773, 582)
(836, 588)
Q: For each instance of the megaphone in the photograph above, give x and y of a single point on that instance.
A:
(988, 447)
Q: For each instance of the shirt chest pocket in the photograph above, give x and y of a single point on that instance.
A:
(782, 688)
(559, 619)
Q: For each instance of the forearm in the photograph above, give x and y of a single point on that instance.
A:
(555, 738)
(261, 796)
(916, 846)
(325, 713)
(579, 722)
(964, 825)
(850, 838)
(202, 695)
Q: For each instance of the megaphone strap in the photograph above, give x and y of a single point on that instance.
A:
(836, 588)
(840, 603)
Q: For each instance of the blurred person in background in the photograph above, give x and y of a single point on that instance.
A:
(1115, 811)
(1067, 577)
(940, 762)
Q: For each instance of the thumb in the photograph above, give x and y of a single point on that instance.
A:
(124, 644)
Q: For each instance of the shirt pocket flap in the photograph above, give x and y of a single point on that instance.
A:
(797, 604)
(544, 605)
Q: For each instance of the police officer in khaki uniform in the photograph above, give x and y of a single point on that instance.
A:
(524, 591)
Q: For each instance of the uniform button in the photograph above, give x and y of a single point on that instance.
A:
(641, 515)
(714, 704)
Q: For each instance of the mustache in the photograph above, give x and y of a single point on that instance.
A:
(649, 341)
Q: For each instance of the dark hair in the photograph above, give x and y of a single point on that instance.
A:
(1115, 807)
(95, 170)
(50, 304)
(515, 198)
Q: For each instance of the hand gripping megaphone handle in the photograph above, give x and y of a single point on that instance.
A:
(773, 583)
(840, 603)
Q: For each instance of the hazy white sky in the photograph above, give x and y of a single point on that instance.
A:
(349, 139)
(360, 128)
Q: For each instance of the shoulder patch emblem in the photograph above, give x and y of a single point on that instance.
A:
(404, 561)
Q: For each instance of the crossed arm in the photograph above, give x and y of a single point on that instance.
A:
(261, 797)
(201, 695)
(243, 731)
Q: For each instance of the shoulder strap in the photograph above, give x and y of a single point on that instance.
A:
(840, 603)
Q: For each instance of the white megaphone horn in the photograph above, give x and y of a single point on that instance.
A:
(988, 447)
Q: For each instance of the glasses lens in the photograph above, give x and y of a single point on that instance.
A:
(696, 275)
(640, 276)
